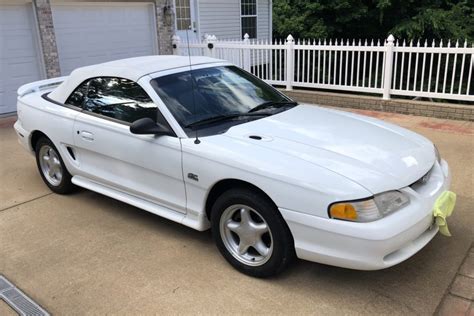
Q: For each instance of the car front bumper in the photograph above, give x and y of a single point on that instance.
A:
(374, 245)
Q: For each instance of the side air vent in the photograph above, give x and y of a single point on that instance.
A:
(71, 152)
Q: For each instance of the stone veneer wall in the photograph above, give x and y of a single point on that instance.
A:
(47, 36)
(164, 25)
(422, 108)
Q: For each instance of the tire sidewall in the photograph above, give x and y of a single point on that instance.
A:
(65, 186)
(283, 244)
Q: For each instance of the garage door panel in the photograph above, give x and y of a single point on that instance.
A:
(19, 53)
(93, 33)
(12, 47)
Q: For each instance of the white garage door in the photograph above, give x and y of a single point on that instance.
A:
(97, 32)
(19, 52)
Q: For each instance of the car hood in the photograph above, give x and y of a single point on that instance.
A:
(377, 155)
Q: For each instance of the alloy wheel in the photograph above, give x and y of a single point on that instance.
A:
(246, 235)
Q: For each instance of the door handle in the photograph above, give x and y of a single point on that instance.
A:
(88, 136)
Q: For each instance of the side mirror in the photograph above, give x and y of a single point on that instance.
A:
(146, 126)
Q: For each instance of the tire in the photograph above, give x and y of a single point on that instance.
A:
(251, 234)
(52, 170)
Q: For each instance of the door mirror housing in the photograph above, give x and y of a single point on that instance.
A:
(146, 126)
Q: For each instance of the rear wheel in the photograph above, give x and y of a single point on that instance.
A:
(51, 167)
(251, 234)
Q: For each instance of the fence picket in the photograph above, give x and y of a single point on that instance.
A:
(423, 68)
(415, 79)
(454, 69)
(431, 67)
(462, 69)
(319, 59)
(358, 64)
(409, 67)
(446, 68)
(324, 63)
(470, 72)
(314, 61)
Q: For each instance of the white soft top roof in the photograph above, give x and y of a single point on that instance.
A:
(130, 68)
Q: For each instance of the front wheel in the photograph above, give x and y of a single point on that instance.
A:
(251, 234)
(51, 167)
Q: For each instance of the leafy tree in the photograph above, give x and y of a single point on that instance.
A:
(409, 19)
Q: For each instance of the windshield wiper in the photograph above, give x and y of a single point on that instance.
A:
(272, 104)
(220, 118)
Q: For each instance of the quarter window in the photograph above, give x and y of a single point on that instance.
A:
(248, 13)
(117, 98)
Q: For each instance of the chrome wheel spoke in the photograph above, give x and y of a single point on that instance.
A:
(233, 226)
(261, 248)
(245, 216)
(260, 228)
(243, 248)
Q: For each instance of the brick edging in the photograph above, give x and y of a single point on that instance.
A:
(422, 108)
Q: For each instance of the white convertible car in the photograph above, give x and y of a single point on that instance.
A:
(206, 144)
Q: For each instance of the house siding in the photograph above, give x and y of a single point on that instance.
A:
(263, 19)
(222, 18)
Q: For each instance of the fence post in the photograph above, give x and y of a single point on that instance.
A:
(210, 41)
(387, 80)
(176, 42)
(246, 53)
(289, 62)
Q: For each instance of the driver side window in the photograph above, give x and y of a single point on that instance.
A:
(116, 98)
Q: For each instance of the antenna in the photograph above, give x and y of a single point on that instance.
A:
(196, 140)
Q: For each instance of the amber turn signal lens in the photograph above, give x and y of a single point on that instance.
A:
(343, 211)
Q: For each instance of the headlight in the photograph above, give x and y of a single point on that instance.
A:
(438, 156)
(370, 209)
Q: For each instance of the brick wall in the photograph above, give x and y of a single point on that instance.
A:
(47, 38)
(422, 108)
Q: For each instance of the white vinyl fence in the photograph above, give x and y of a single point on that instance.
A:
(430, 70)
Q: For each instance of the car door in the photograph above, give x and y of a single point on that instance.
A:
(146, 166)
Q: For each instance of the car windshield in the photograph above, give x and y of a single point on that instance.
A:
(218, 95)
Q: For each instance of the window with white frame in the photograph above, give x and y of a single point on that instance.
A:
(248, 16)
(183, 14)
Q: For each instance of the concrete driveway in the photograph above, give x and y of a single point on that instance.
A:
(88, 254)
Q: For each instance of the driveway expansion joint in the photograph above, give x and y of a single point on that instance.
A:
(25, 202)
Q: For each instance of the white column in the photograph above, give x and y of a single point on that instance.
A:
(176, 42)
(210, 41)
(246, 53)
(289, 62)
(387, 80)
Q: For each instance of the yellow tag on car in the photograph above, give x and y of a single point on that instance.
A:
(443, 207)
